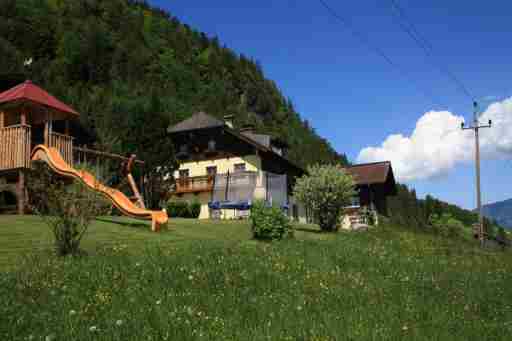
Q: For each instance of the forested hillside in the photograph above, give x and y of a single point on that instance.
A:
(407, 210)
(132, 70)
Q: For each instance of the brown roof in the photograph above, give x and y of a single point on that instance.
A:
(202, 120)
(370, 173)
(197, 121)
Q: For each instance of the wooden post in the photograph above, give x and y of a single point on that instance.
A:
(2, 119)
(46, 135)
(131, 181)
(135, 191)
(21, 192)
(48, 129)
(23, 119)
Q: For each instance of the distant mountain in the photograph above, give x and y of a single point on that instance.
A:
(500, 211)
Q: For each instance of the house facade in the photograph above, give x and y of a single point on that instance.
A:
(227, 169)
(375, 182)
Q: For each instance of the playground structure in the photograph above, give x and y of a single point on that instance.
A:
(52, 157)
(35, 126)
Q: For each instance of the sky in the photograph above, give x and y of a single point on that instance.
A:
(409, 112)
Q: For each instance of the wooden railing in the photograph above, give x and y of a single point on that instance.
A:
(64, 144)
(15, 147)
(194, 184)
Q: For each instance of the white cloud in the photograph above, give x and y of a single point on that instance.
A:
(437, 143)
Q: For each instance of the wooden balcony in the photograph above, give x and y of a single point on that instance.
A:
(196, 184)
(64, 144)
(15, 143)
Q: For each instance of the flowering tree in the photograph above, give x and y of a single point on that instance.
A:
(325, 190)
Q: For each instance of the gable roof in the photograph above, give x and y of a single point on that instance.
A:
(28, 91)
(197, 121)
(370, 173)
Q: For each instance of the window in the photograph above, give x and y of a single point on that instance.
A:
(239, 167)
(355, 201)
(184, 173)
(211, 171)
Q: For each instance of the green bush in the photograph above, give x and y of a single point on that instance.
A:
(183, 209)
(178, 209)
(269, 222)
(171, 209)
(194, 209)
(502, 237)
(68, 209)
(446, 225)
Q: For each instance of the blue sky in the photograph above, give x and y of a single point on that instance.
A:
(350, 94)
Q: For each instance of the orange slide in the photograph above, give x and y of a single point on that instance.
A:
(53, 158)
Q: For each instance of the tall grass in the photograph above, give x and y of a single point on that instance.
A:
(382, 285)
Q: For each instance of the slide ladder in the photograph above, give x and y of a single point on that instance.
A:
(55, 161)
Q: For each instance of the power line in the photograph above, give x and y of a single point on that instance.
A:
(425, 45)
(366, 41)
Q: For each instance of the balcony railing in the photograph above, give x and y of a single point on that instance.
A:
(64, 144)
(15, 147)
(194, 184)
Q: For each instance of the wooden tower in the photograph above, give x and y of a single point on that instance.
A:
(30, 116)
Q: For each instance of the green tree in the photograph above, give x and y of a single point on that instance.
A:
(325, 190)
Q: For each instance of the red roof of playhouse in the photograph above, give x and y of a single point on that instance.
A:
(28, 91)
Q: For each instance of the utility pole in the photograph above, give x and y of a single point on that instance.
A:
(476, 127)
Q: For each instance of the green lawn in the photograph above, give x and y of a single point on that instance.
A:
(209, 281)
(20, 235)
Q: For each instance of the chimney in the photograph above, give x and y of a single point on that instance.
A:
(228, 119)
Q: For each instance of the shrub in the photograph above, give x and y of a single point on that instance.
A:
(269, 222)
(325, 191)
(446, 225)
(67, 208)
(172, 208)
(194, 209)
(178, 209)
(502, 237)
(183, 209)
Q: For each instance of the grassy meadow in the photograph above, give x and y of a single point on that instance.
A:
(210, 281)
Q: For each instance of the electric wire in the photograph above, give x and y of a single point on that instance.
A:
(411, 30)
(366, 41)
